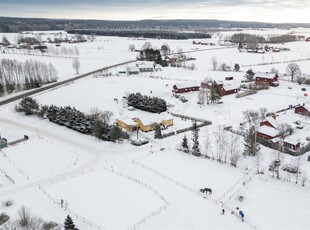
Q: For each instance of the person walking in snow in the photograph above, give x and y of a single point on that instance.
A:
(223, 211)
(241, 214)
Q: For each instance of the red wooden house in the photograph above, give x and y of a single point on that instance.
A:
(270, 78)
(302, 110)
(185, 88)
(267, 132)
(228, 89)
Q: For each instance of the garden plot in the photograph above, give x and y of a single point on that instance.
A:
(103, 197)
(194, 172)
(35, 162)
(272, 204)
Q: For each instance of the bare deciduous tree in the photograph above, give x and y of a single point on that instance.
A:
(208, 145)
(258, 160)
(214, 63)
(233, 149)
(76, 65)
(131, 48)
(220, 138)
(293, 70)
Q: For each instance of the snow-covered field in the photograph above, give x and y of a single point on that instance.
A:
(155, 186)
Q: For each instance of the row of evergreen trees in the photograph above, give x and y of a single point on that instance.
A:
(195, 138)
(97, 125)
(17, 76)
(146, 103)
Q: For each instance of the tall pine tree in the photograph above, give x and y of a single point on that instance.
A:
(69, 225)
(185, 147)
(250, 144)
(195, 148)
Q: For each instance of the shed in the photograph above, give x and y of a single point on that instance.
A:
(185, 87)
(270, 78)
(133, 70)
(146, 67)
(291, 143)
(228, 89)
(302, 110)
(3, 143)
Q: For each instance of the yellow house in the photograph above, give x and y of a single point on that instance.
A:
(127, 123)
(166, 120)
(146, 124)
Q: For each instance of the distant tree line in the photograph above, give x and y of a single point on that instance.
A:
(17, 76)
(96, 124)
(10, 24)
(253, 40)
(146, 103)
(142, 33)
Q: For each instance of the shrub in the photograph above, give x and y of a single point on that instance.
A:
(27, 105)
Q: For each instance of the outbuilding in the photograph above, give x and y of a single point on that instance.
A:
(185, 87)
(270, 78)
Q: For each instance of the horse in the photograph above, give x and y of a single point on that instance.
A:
(206, 190)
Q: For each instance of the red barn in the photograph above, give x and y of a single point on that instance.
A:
(185, 88)
(228, 89)
(302, 110)
(270, 78)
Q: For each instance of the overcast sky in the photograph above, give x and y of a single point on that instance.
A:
(239, 10)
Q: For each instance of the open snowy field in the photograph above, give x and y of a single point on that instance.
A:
(269, 203)
(159, 186)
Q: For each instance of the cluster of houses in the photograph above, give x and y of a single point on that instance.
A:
(147, 123)
(270, 129)
(140, 67)
(229, 86)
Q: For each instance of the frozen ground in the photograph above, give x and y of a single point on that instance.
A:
(157, 189)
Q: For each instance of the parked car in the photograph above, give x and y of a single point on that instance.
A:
(139, 142)
(303, 89)
(183, 99)
(290, 169)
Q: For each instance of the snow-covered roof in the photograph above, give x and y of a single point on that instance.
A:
(133, 69)
(148, 120)
(186, 85)
(166, 116)
(267, 130)
(145, 64)
(272, 121)
(228, 87)
(291, 140)
(265, 75)
(127, 120)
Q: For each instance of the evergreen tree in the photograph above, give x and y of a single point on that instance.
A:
(185, 147)
(250, 145)
(195, 149)
(215, 93)
(27, 105)
(69, 225)
(1, 89)
(116, 133)
(157, 131)
(249, 74)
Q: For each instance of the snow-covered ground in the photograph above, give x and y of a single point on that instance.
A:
(155, 186)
